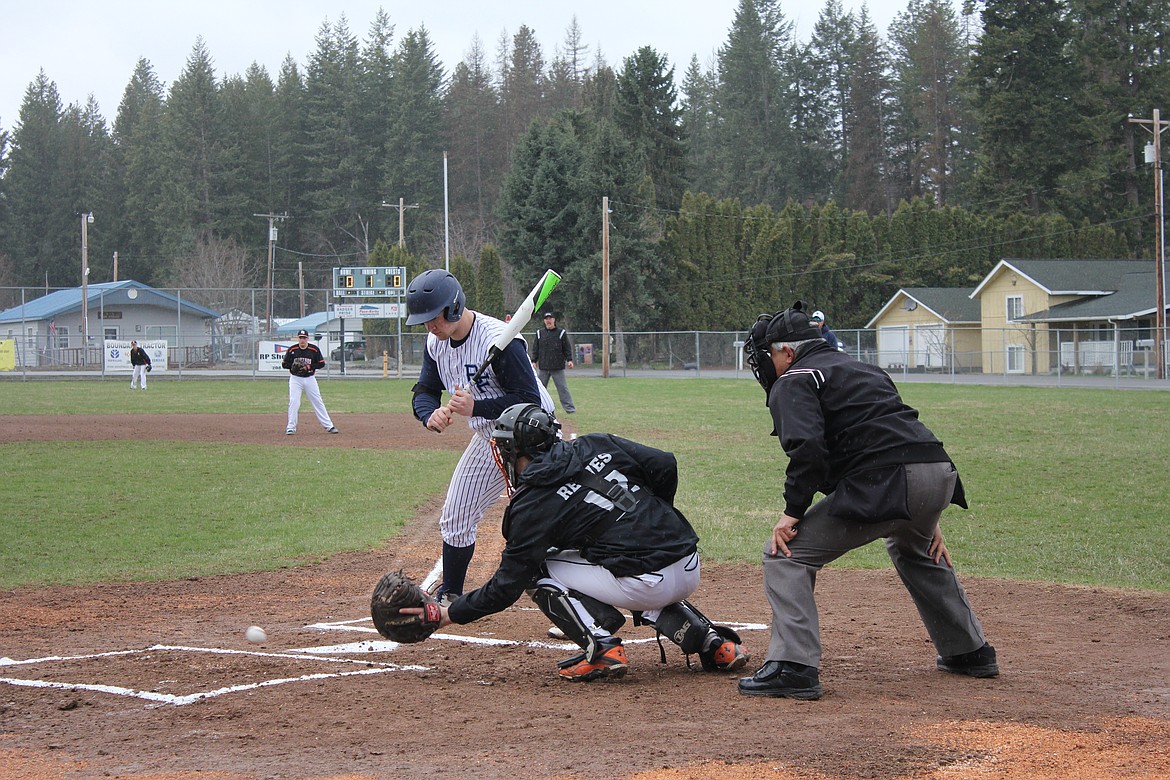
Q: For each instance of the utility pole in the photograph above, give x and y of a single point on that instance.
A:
(272, 220)
(1154, 155)
(301, 284)
(401, 221)
(86, 221)
(605, 286)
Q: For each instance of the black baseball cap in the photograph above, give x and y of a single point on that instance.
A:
(548, 314)
(302, 332)
(791, 324)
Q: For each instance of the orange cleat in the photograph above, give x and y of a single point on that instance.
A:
(612, 663)
(729, 657)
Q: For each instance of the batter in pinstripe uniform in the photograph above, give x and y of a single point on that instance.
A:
(459, 339)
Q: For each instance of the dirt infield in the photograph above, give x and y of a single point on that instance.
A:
(156, 681)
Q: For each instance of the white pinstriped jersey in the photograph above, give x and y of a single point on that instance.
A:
(458, 364)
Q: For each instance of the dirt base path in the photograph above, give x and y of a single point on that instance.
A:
(156, 681)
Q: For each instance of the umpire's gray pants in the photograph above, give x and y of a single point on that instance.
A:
(558, 378)
(821, 538)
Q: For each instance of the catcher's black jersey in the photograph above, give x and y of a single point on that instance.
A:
(310, 353)
(553, 509)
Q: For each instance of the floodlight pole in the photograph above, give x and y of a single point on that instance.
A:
(1155, 125)
(86, 219)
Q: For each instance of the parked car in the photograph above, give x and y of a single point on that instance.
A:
(354, 350)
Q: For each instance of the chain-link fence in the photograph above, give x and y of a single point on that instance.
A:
(244, 330)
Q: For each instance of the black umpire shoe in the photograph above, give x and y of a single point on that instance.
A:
(783, 679)
(977, 663)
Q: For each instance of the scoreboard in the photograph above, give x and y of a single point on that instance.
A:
(359, 281)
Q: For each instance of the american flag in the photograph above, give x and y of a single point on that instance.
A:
(52, 327)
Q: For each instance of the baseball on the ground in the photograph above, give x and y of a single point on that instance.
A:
(256, 635)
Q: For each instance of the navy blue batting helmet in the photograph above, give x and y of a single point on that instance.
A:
(432, 293)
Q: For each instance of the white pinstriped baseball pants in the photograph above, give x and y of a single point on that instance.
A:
(476, 485)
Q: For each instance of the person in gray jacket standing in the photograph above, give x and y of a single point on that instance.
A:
(551, 353)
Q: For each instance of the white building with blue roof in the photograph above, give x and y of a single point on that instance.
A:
(47, 331)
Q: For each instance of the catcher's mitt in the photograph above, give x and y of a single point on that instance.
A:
(302, 366)
(393, 592)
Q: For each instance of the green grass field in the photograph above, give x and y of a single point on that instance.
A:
(1065, 485)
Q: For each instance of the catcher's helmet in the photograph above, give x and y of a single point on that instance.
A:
(523, 430)
(432, 293)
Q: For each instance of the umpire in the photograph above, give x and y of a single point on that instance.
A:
(848, 434)
(551, 353)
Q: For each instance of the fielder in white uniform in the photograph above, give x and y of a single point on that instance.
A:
(302, 362)
(459, 339)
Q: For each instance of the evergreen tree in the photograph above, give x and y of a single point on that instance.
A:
(376, 83)
(831, 53)
(7, 264)
(612, 167)
(43, 237)
(1024, 86)
(1127, 72)
(540, 204)
(755, 136)
(600, 94)
(865, 175)
(246, 186)
(698, 119)
(521, 84)
(489, 281)
(289, 154)
(333, 197)
(415, 133)
(815, 163)
(84, 169)
(930, 121)
(193, 153)
(138, 174)
(648, 114)
(471, 116)
(567, 73)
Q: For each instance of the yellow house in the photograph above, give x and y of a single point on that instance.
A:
(928, 329)
(1081, 316)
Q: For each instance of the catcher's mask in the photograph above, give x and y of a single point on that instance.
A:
(791, 324)
(522, 430)
(432, 293)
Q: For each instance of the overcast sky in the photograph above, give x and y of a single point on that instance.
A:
(92, 47)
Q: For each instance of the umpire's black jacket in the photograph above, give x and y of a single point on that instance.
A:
(551, 509)
(847, 432)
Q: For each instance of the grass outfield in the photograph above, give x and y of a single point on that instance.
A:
(1065, 485)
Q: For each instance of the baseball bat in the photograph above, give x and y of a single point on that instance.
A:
(534, 301)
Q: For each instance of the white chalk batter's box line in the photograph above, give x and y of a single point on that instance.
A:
(168, 698)
(319, 654)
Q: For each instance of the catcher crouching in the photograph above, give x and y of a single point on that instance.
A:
(590, 529)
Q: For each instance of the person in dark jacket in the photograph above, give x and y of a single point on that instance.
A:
(591, 528)
(551, 353)
(818, 319)
(884, 475)
(139, 365)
